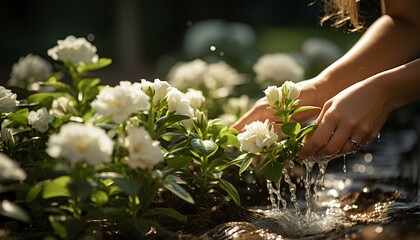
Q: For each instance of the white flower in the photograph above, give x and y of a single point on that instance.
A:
(29, 69)
(9, 169)
(159, 87)
(256, 136)
(8, 100)
(220, 78)
(321, 51)
(237, 105)
(195, 97)
(121, 101)
(179, 103)
(291, 90)
(274, 95)
(40, 119)
(143, 151)
(61, 106)
(77, 142)
(74, 50)
(227, 118)
(277, 68)
(186, 75)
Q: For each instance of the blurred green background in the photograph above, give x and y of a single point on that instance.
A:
(145, 37)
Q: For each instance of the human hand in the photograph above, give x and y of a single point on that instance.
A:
(261, 111)
(348, 121)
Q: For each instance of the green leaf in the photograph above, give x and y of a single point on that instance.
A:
(34, 192)
(61, 87)
(99, 197)
(129, 186)
(164, 122)
(18, 118)
(204, 147)
(272, 171)
(101, 63)
(87, 83)
(14, 187)
(177, 190)
(230, 190)
(14, 211)
(25, 143)
(56, 188)
(65, 227)
(179, 161)
(304, 108)
(291, 129)
(170, 212)
(43, 99)
(80, 188)
(305, 131)
(218, 164)
(88, 87)
(245, 164)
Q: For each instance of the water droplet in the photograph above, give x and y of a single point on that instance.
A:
(189, 23)
(344, 164)
(368, 157)
(91, 37)
(379, 137)
(212, 48)
(221, 53)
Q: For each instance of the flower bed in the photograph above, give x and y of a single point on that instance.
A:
(81, 159)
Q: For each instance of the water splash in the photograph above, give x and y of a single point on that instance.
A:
(313, 221)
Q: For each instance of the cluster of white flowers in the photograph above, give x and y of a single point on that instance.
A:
(143, 151)
(121, 101)
(9, 169)
(29, 69)
(179, 103)
(235, 108)
(160, 89)
(275, 95)
(77, 142)
(195, 97)
(8, 100)
(40, 119)
(276, 68)
(322, 51)
(221, 78)
(256, 136)
(74, 50)
(216, 78)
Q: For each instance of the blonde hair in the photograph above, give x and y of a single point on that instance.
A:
(343, 12)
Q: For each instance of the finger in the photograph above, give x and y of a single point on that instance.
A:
(260, 113)
(319, 138)
(337, 141)
(356, 142)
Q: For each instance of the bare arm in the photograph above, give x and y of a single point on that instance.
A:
(386, 76)
(392, 40)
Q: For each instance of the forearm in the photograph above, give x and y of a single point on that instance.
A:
(388, 43)
(400, 85)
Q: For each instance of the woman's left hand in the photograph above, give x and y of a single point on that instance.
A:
(348, 121)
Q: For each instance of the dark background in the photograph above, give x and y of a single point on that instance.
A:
(137, 35)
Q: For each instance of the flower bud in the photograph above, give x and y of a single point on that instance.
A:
(7, 137)
(291, 89)
(274, 96)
